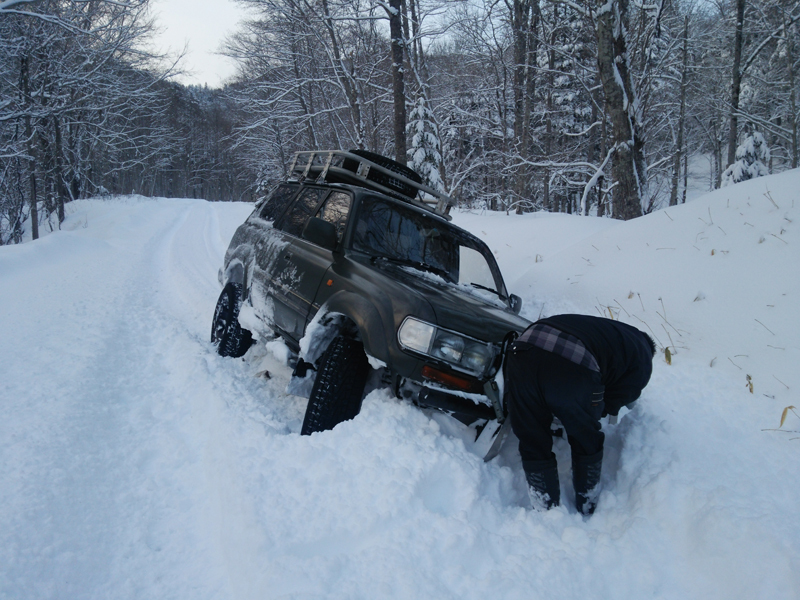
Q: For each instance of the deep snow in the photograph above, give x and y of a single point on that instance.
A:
(136, 463)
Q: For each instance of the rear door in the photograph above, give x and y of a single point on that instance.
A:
(267, 242)
(292, 277)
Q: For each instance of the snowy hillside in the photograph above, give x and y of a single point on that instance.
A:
(136, 463)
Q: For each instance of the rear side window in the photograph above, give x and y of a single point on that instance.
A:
(304, 207)
(276, 204)
(335, 210)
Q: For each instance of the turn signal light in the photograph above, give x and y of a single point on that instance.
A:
(459, 382)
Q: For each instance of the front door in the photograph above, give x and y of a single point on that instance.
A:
(311, 262)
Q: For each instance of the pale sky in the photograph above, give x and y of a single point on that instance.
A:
(203, 24)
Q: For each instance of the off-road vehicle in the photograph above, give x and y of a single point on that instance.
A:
(355, 264)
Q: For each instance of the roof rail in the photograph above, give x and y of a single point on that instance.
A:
(340, 166)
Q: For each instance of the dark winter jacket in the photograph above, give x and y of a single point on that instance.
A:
(623, 353)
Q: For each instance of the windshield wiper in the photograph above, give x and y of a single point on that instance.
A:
(421, 266)
(488, 289)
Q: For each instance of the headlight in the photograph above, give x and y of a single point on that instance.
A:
(416, 335)
(464, 353)
(477, 357)
(448, 346)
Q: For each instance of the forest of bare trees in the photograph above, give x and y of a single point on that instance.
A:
(588, 106)
(86, 109)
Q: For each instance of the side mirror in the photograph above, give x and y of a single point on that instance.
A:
(320, 232)
(515, 302)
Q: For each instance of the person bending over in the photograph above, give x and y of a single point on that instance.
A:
(577, 368)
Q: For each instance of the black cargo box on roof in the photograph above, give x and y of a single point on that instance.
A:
(369, 170)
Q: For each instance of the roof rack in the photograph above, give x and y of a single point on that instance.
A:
(340, 166)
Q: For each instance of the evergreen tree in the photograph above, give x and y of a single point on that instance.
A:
(424, 155)
(751, 160)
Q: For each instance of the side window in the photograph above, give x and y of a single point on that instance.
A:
(335, 210)
(473, 268)
(304, 207)
(276, 204)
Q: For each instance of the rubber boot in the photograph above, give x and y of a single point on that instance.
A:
(543, 488)
(586, 477)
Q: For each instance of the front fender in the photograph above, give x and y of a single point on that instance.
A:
(234, 272)
(352, 307)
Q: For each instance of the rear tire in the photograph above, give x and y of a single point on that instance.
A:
(338, 387)
(226, 333)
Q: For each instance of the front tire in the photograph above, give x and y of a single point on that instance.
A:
(338, 387)
(230, 338)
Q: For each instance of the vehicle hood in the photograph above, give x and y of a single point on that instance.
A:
(457, 307)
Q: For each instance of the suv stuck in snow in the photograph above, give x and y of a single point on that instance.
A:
(354, 263)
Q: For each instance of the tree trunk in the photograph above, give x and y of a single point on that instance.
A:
(519, 24)
(47, 168)
(398, 85)
(550, 203)
(61, 189)
(33, 200)
(676, 167)
(628, 169)
(736, 82)
(591, 149)
(417, 43)
(345, 77)
(601, 199)
(29, 134)
(312, 138)
(790, 56)
(593, 133)
(525, 19)
(530, 77)
(685, 176)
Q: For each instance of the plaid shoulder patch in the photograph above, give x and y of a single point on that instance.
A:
(565, 345)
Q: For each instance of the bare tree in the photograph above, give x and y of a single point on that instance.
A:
(676, 166)
(736, 82)
(629, 170)
(398, 83)
(78, 86)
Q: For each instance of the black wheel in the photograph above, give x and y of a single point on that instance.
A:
(339, 386)
(383, 179)
(226, 333)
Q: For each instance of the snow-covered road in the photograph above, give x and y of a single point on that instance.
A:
(136, 463)
(110, 478)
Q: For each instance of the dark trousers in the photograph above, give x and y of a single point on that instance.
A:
(539, 385)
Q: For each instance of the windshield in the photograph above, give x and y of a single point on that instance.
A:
(403, 235)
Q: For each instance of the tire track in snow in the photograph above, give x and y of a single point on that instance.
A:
(107, 474)
(189, 258)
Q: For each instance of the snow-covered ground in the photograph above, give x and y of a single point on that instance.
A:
(136, 463)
